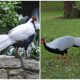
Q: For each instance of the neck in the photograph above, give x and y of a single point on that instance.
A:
(52, 50)
(34, 24)
(31, 21)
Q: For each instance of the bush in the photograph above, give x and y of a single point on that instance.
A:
(8, 14)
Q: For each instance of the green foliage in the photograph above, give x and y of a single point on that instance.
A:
(35, 50)
(35, 53)
(8, 14)
(77, 4)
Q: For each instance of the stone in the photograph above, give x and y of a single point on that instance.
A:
(15, 71)
(3, 74)
(31, 64)
(33, 75)
(16, 77)
(9, 62)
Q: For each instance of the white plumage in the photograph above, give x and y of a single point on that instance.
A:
(37, 24)
(5, 41)
(61, 43)
(22, 32)
(19, 33)
(77, 41)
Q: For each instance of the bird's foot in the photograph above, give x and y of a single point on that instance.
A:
(16, 56)
(26, 57)
(59, 57)
(64, 56)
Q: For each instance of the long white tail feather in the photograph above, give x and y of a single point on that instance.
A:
(5, 41)
(77, 41)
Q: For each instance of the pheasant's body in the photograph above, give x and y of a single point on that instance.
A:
(24, 43)
(22, 32)
(21, 35)
(59, 45)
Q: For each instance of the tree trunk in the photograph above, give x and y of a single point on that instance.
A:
(70, 9)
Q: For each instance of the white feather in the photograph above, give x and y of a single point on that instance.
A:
(5, 41)
(37, 24)
(77, 41)
(62, 43)
(19, 33)
(22, 32)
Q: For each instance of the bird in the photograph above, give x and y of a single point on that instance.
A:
(19, 33)
(25, 43)
(59, 45)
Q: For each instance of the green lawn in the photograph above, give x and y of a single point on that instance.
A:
(53, 27)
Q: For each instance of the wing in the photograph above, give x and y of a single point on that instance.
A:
(22, 32)
(62, 43)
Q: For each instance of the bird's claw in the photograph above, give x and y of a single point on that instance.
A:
(16, 56)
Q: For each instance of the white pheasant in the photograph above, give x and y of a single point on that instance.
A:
(19, 33)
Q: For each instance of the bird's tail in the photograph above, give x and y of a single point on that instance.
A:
(77, 42)
(5, 41)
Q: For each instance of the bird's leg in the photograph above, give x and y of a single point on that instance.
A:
(59, 57)
(65, 54)
(62, 56)
(17, 55)
(26, 54)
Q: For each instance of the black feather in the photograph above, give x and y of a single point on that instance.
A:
(25, 43)
(56, 51)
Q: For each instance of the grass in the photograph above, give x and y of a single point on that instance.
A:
(53, 27)
(49, 5)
